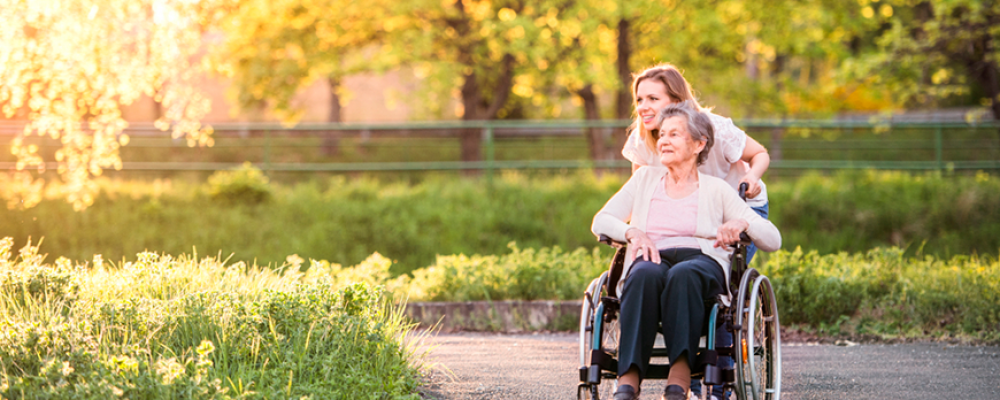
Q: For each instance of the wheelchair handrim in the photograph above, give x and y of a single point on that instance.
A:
(741, 310)
(586, 315)
(772, 343)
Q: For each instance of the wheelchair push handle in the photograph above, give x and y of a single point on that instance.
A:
(743, 195)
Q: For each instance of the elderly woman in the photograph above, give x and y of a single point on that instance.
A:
(679, 224)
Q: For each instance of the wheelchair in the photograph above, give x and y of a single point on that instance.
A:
(751, 317)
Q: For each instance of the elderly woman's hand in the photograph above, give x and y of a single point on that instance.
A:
(640, 245)
(729, 232)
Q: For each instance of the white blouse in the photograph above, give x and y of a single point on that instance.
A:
(724, 159)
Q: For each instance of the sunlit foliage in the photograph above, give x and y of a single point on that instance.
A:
(68, 66)
(272, 49)
(933, 53)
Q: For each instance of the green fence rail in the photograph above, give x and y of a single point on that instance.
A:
(427, 146)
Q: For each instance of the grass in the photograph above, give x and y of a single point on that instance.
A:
(162, 327)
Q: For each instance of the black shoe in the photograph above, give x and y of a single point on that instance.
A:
(674, 392)
(626, 392)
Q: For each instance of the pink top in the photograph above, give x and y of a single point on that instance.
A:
(672, 222)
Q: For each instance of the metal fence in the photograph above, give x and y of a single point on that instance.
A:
(793, 144)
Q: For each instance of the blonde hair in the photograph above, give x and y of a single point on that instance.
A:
(678, 90)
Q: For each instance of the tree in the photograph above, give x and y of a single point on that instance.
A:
(753, 58)
(274, 48)
(933, 52)
(68, 66)
(478, 52)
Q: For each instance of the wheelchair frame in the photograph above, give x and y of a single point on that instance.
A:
(752, 319)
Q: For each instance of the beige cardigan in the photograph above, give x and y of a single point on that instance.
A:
(717, 204)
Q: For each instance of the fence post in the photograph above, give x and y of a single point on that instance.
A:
(267, 151)
(939, 148)
(488, 142)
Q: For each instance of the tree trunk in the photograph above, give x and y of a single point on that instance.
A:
(774, 150)
(331, 141)
(984, 70)
(470, 138)
(595, 138)
(623, 106)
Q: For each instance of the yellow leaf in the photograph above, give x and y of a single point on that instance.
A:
(506, 14)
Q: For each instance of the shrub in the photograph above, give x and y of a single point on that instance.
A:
(885, 293)
(243, 185)
(163, 327)
(529, 274)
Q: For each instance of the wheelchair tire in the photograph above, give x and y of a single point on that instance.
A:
(758, 345)
(591, 318)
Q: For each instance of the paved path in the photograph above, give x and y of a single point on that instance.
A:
(544, 366)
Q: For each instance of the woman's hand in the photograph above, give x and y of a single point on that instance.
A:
(755, 155)
(640, 245)
(729, 232)
(753, 184)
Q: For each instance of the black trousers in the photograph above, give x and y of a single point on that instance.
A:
(674, 294)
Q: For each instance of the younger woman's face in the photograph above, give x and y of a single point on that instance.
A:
(651, 96)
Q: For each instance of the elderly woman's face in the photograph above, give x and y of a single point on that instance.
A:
(651, 96)
(674, 143)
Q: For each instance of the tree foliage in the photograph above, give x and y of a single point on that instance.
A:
(272, 49)
(932, 53)
(68, 66)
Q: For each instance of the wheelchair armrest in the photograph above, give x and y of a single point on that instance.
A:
(610, 242)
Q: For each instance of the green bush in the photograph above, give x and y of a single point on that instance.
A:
(243, 185)
(165, 328)
(882, 292)
(854, 211)
(547, 273)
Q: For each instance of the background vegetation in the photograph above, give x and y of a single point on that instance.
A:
(471, 60)
(345, 220)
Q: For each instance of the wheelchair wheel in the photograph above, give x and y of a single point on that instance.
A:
(758, 349)
(592, 321)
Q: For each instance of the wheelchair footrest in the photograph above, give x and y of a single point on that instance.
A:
(605, 361)
(708, 357)
(713, 375)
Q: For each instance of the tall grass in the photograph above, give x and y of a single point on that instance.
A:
(163, 327)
